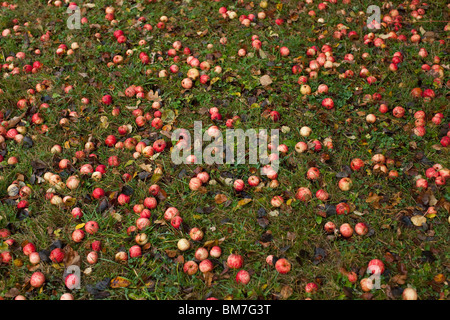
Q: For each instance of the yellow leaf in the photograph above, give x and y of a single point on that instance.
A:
(57, 232)
(155, 178)
(289, 202)
(70, 202)
(214, 80)
(279, 6)
(119, 282)
(418, 220)
(113, 195)
(58, 266)
(80, 226)
(116, 216)
(242, 202)
(211, 243)
(129, 163)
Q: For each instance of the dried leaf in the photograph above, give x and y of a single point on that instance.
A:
(242, 202)
(71, 257)
(418, 220)
(265, 80)
(220, 198)
(153, 96)
(146, 167)
(286, 291)
(119, 282)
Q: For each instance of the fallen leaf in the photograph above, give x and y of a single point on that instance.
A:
(220, 198)
(286, 291)
(242, 202)
(418, 220)
(119, 282)
(265, 80)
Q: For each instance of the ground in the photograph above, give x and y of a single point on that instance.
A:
(42, 107)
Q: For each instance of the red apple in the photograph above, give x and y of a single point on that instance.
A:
(135, 251)
(29, 248)
(329, 227)
(346, 230)
(91, 227)
(235, 261)
(311, 287)
(98, 193)
(190, 267)
(78, 235)
(206, 266)
(57, 255)
(342, 208)
(375, 266)
(243, 277)
(215, 252)
(283, 266)
(196, 234)
(238, 185)
(37, 279)
(361, 229)
(303, 194)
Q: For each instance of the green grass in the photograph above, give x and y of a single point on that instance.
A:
(297, 229)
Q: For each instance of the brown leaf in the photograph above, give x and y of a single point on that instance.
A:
(161, 222)
(146, 167)
(12, 293)
(367, 296)
(265, 80)
(15, 120)
(401, 267)
(389, 294)
(220, 198)
(396, 199)
(162, 195)
(399, 278)
(446, 206)
(389, 257)
(374, 200)
(286, 291)
(171, 253)
(263, 222)
(179, 259)
(71, 257)
(291, 236)
(153, 96)
(166, 133)
(208, 278)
